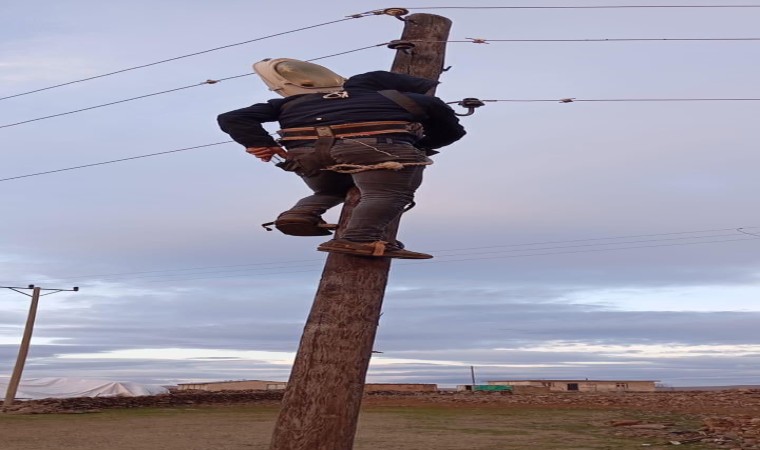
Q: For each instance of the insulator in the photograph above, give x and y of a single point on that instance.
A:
(396, 12)
(401, 45)
(471, 103)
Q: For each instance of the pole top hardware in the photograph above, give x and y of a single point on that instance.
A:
(470, 103)
(396, 12)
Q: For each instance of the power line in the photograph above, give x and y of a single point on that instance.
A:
(602, 100)
(440, 256)
(559, 100)
(210, 81)
(484, 258)
(114, 161)
(471, 40)
(486, 41)
(584, 251)
(589, 7)
(588, 242)
(714, 230)
(181, 57)
(124, 100)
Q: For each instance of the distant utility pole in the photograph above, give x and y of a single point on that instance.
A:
(27, 338)
(322, 400)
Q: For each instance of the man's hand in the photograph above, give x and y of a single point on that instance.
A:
(265, 154)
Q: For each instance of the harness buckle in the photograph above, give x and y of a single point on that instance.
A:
(324, 132)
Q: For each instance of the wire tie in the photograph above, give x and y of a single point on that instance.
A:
(566, 100)
(478, 41)
(375, 12)
(210, 82)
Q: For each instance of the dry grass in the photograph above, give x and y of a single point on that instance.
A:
(380, 428)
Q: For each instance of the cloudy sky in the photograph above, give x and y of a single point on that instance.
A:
(589, 239)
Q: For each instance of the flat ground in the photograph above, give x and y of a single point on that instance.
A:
(380, 428)
(384, 424)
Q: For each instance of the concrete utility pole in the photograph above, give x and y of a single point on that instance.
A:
(26, 339)
(322, 400)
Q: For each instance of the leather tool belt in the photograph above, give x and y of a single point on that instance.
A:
(348, 130)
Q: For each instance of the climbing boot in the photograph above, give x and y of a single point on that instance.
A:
(301, 225)
(378, 249)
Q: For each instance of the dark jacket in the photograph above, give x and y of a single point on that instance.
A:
(363, 104)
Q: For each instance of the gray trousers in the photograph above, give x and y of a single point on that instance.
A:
(384, 192)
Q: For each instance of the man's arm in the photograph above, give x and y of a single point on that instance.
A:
(265, 154)
(244, 125)
(441, 126)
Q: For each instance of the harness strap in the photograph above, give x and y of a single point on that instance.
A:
(325, 141)
(405, 102)
(350, 130)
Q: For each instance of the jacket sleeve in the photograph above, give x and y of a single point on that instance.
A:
(441, 127)
(244, 125)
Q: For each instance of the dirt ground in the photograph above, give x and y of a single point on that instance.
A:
(399, 422)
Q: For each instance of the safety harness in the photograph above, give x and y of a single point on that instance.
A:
(325, 136)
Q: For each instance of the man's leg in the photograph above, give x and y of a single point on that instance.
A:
(384, 195)
(329, 189)
(305, 217)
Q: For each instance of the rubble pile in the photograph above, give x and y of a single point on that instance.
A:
(739, 432)
(173, 400)
(746, 401)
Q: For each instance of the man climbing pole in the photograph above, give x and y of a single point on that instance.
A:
(377, 134)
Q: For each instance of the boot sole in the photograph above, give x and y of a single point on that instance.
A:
(299, 228)
(368, 253)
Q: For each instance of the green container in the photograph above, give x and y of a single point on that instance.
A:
(491, 387)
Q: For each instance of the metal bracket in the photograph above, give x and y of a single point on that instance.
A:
(470, 103)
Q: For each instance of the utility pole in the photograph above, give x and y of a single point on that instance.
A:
(321, 405)
(27, 338)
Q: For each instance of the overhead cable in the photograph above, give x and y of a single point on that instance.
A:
(260, 270)
(209, 81)
(442, 261)
(183, 56)
(470, 40)
(486, 41)
(511, 248)
(585, 251)
(579, 100)
(124, 100)
(114, 161)
(588, 7)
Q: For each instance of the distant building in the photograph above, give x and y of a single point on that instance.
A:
(259, 385)
(400, 387)
(485, 387)
(584, 385)
(239, 385)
